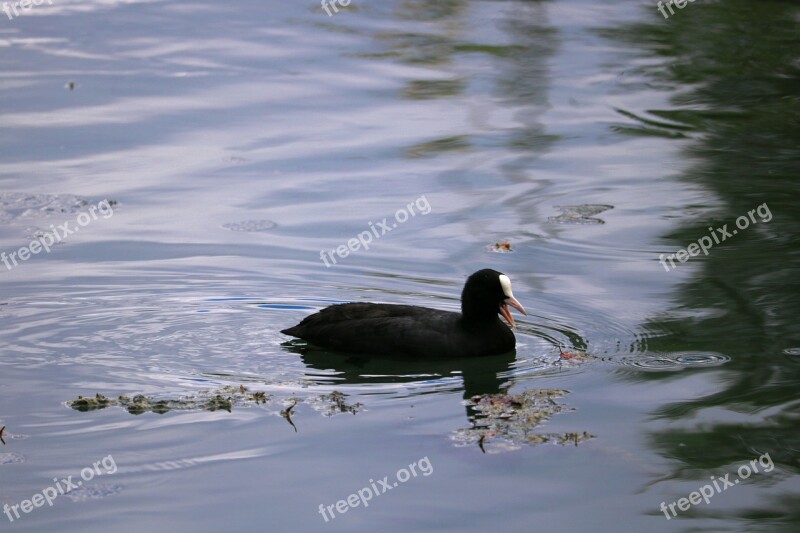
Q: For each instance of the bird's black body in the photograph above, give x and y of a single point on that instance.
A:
(411, 331)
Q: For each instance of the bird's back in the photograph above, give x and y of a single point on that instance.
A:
(401, 330)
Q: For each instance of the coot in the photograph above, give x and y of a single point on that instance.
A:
(411, 331)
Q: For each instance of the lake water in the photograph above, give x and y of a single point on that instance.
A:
(195, 158)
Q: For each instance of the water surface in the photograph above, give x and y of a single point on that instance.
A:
(233, 142)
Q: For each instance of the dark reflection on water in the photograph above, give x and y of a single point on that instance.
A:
(734, 70)
(242, 138)
(480, 375)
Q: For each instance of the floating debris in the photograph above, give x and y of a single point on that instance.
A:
(234, 159)
(11, 459)
(579, 214)
(457, 143)
(141, 404)
(500, 247)
(6, 435)
(505, 422)
(222, 399)
(560, 438)
(335, 403)
(287, 413)
(17, 206)
(431, 89)
(250, 225)
(92, 492)
(576, 356)
(35, 232)
(90, 404)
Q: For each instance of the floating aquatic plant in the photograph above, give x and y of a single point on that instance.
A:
(505, 422)
(579, 214)
(224, 399)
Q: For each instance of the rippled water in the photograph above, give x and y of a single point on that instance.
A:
(203, 155)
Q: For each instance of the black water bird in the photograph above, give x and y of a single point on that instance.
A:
(412, 331)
